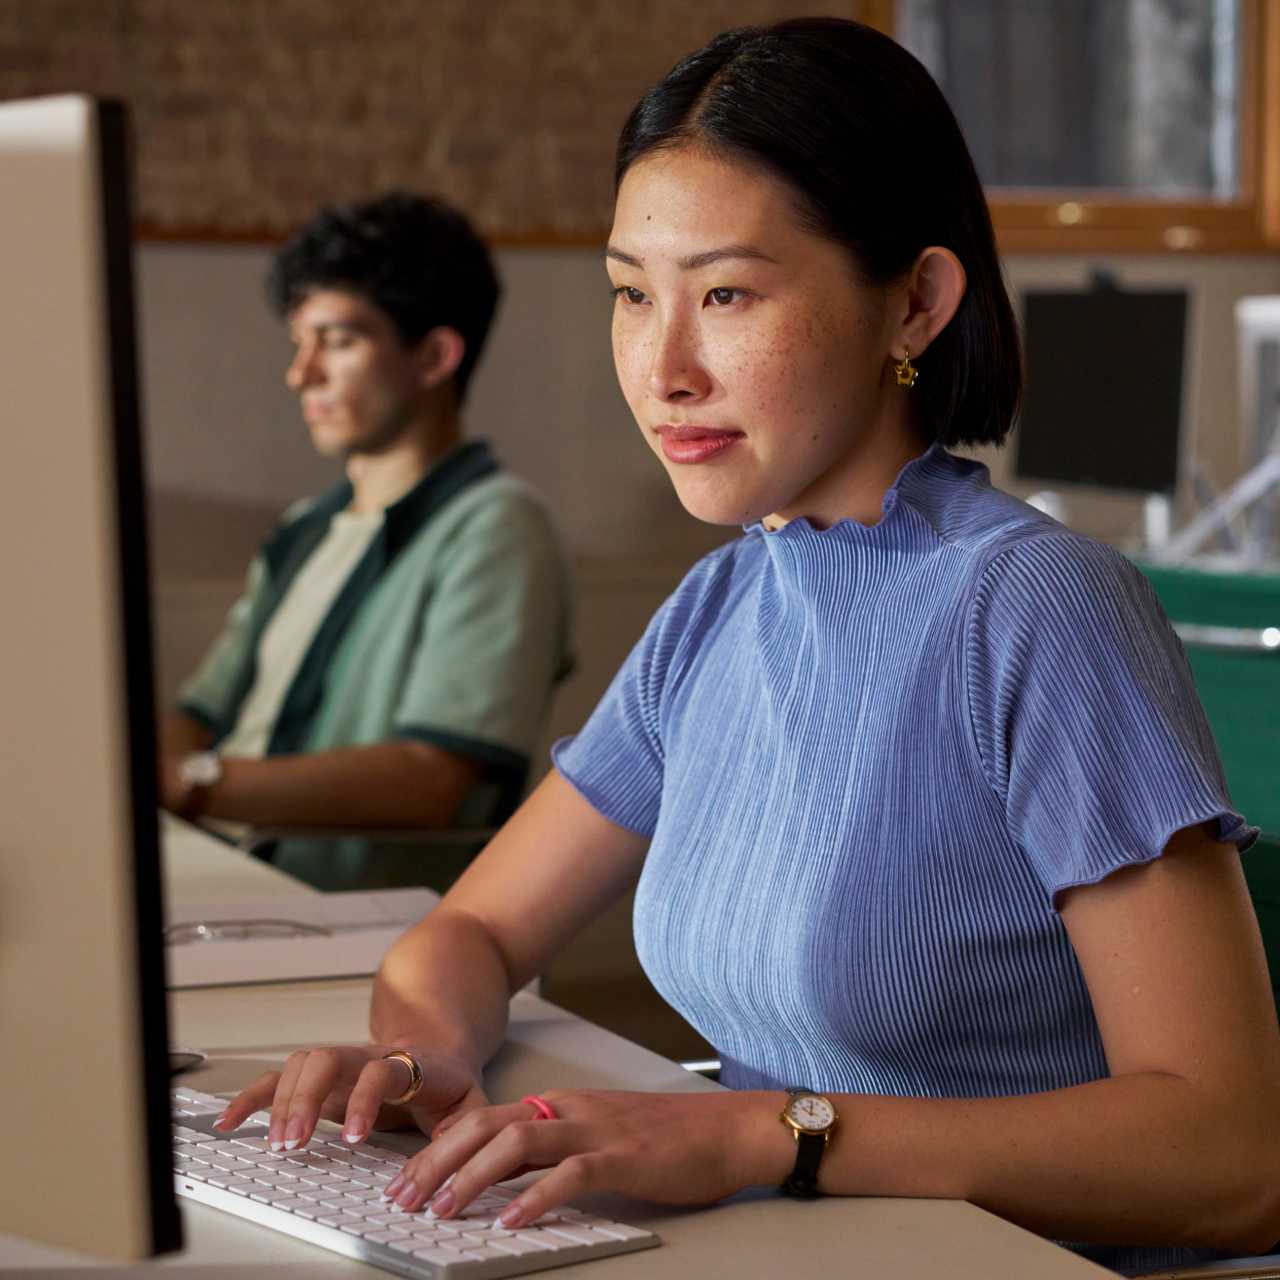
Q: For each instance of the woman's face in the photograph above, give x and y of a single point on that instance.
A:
(752, 356)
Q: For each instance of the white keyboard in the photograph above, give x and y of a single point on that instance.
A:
(330, 1194)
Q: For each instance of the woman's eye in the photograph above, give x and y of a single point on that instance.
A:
(633, 297)
(723, 297)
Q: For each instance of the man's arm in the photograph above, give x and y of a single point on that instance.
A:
(383, 785)
(180, 734)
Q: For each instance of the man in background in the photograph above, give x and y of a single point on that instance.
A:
(391, 660)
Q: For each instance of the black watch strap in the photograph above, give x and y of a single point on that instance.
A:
(804, 1177)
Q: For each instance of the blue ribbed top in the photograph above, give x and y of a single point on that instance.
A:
(869, 758)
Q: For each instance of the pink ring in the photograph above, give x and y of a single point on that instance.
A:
(544, 1109)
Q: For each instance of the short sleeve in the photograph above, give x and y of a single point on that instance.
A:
(210, 694)
(1085, 715)
(495, 636)
(616, 761)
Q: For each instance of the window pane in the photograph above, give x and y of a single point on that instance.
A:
(1128, 97)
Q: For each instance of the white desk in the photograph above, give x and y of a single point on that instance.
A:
(756, 1236)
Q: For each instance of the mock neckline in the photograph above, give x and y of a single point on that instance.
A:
(934, 460)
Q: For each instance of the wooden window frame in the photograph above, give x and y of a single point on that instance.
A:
(1073, 221)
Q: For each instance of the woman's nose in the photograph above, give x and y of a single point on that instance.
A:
(677, 371)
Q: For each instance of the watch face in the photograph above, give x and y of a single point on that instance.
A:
(811, 1112)
(202, 769)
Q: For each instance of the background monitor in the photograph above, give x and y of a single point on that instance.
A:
(1104, 388)
(83, 1072)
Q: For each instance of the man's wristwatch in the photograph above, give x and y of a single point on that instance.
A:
(811, 1118)
(198, 772)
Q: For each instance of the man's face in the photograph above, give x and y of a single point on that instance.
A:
(358, 383)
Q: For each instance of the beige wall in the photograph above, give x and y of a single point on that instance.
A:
(227, 449)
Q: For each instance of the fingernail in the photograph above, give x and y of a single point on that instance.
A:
(389, 1191)
(277, 1146)
(408, 1194)
(512, 1216)
(355, 1133)
(221, 1121)
(444, 1203)
(293, 1133)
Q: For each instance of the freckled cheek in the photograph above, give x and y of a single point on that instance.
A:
(631, 360)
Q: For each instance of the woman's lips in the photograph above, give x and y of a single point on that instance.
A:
(695, 444)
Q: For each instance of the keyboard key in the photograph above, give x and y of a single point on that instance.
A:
(619, 1231)
(319, 1195)
(536, 1239)
(516, 1245)
(268, 1195)
(578, 1235)
(292, 1205)
(386, 1236)
(336, 1219)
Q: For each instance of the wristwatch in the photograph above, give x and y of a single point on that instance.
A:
(198, 772)
(811, 1118)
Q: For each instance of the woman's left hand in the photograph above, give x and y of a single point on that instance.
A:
(675, 1148)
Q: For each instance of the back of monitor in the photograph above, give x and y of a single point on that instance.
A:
(82, 1016)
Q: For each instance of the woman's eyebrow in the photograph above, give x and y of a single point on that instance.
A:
(694, 261)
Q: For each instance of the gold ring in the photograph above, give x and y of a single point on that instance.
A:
(415, 1076)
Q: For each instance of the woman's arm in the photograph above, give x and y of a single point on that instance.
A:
(1180, 1145)
(554, 867)
(443, 988)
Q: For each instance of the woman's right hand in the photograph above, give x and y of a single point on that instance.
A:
(351, 1084)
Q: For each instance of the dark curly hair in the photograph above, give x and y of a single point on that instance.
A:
(864, 139)
(415, 257)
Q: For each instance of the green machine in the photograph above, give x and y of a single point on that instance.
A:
(1229, 623)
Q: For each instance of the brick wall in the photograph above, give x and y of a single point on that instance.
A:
(250, 113)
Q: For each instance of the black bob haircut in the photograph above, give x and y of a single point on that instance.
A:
(864, 139)
(415, 257)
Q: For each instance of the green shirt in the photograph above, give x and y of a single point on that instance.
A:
(452, 630)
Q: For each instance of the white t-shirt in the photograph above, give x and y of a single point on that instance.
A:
(293, 626)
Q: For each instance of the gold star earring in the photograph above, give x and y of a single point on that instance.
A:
(906, 372)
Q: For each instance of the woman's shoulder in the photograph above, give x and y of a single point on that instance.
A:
(1050, 559)
(709, 589)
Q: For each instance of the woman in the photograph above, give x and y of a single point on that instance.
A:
(925, 816)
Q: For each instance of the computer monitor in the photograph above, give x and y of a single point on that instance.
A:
(83, 1073)
(1104, 390)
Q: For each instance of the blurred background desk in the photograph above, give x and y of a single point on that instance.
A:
(247, 1030)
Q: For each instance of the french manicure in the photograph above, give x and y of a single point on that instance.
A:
(443, 1204)
(389, 1191)
(408, 1194)
(512, 1216)
(355, 1133)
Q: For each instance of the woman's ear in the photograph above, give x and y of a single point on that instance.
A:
(932, 292)
(439, 352)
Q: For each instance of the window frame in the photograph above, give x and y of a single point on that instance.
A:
(1075, 221)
